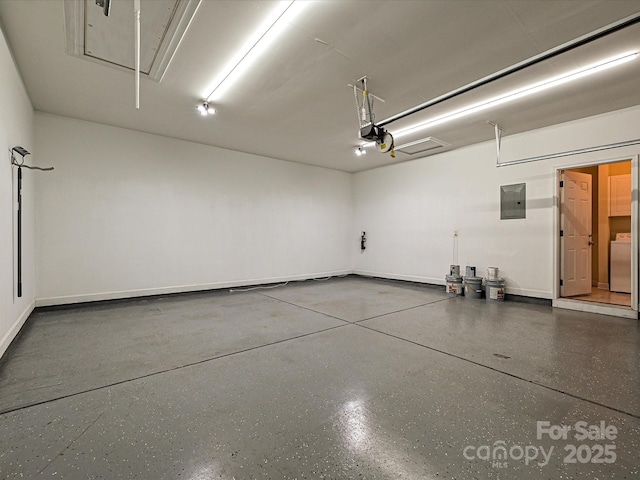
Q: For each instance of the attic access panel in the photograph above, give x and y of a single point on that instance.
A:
(110, 40)
(513, 201)
(421, 146)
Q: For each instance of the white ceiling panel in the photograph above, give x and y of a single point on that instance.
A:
(294, 103)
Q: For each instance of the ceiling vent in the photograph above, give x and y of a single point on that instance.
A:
(423, 145)
(110, 40)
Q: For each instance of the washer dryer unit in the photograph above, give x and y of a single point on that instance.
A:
(620, 264)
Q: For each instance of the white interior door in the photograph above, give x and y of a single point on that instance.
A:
(576, 237)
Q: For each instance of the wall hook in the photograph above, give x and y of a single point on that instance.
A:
(23, 153)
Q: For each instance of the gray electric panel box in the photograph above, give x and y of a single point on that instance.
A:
(513, 201)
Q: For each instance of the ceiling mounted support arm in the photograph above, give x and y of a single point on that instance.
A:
(357, 99)
(136, 13)
(498, 130)
(367, 103)
(358, 89)
(379, 137)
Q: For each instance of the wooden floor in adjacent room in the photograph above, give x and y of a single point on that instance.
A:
(599, 295)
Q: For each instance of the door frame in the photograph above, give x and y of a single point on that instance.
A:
(557, 300)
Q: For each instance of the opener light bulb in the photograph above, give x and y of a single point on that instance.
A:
(205, 109)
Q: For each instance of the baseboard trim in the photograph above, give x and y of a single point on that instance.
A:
(395, 276)
(519, 292)
(15, 328)
(525, 292)
(547, 302)
(148, 292)
(514, 294)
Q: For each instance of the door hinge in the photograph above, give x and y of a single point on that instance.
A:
(561, 282)
(562, 233)
(561, 183)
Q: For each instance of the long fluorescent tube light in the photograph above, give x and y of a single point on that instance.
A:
(519, 93)
(257, 44)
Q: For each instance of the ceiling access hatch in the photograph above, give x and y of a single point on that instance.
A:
(421, 146)
(110, 40)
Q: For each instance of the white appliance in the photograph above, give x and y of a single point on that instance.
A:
(620, 264)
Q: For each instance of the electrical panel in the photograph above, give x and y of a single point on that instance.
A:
(513, 201)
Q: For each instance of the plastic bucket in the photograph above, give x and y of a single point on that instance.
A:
(473, 287)
(495, 290)
(454, 285)
(454, 271)
(492, 273)
(470, 272)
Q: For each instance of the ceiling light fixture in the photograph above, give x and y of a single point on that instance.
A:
(205, 109)
(519, 93)
(360, 151)
(257, 44)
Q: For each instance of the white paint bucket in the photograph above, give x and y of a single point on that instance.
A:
(454, 270)
(473, 287)
(495, 290)
(492, 273)
(454, 285)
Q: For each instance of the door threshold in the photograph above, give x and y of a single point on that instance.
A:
(593, 307)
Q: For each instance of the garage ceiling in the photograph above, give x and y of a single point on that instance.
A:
(294, 103)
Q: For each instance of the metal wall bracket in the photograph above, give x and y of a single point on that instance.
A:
(567, 153)
(498, 129)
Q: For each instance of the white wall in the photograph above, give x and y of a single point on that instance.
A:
(127, 213)
(410, 210)
(16, 128)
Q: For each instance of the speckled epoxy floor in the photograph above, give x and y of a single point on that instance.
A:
(345, 379)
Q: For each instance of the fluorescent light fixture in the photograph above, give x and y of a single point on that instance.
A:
(518, 93)
(257, 44)
(205, 109)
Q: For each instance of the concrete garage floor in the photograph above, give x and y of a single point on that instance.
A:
(349, 378)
